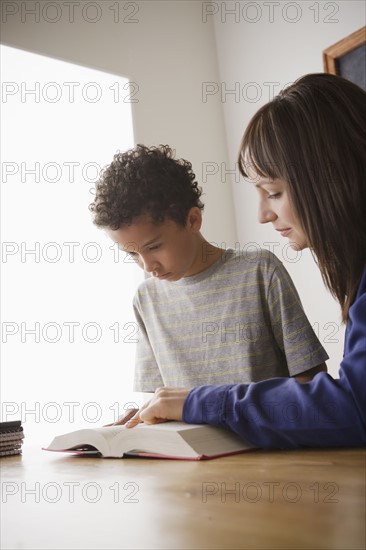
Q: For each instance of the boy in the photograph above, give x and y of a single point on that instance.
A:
(205, 315)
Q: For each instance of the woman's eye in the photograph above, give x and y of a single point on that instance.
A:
(274, 196)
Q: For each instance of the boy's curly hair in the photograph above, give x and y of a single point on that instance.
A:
(145, 180)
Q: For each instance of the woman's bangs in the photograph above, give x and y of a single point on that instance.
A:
(259, 151)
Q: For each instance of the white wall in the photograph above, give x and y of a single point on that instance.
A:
(168, 49)
(163, 47)
(257, 43)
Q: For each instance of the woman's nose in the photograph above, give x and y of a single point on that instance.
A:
(265, 214)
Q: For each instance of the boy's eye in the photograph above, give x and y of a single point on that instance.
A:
(132, 255)
(154, 247)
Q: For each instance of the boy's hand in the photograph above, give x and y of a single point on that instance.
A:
(129, 413)
(166, 404)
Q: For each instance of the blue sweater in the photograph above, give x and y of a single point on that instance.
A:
(281, 413)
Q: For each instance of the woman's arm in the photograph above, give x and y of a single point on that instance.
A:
(280, 412)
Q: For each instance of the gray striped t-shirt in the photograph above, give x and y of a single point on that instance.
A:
(239, 321)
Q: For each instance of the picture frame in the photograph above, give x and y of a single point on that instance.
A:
(347, 58)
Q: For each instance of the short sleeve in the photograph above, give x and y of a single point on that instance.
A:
(291, 327)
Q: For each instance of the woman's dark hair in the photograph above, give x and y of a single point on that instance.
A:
(145, 180)
(313, 136)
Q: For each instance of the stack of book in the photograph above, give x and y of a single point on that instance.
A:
(11, 438)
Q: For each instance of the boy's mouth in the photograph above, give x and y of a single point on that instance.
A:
(164, 276)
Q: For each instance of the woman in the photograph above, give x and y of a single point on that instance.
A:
(305, 152)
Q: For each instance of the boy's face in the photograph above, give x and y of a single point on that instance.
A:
(167, 251)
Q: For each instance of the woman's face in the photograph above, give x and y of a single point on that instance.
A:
(275, 207)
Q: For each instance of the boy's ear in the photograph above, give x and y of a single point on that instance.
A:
(194, 219)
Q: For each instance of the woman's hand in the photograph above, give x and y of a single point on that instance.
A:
(166, 404)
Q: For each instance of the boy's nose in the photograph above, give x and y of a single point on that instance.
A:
(150, 266)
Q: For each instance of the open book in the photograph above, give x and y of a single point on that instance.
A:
(166, 440)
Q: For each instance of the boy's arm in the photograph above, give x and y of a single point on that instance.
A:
(147, 375)
(308, 375)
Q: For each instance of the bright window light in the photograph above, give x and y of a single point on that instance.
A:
(68, 329)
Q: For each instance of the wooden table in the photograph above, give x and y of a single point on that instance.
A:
(263, 500)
